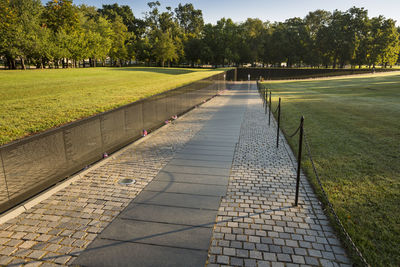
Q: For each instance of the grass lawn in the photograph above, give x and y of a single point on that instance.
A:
(353, 125)
(35, 100)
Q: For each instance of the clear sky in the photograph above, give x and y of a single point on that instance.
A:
(272, 10)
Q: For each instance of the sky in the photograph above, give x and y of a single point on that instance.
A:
(271, 10)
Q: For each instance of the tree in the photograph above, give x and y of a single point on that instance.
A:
(25, 30)
(193, 50)
(8, 24)
(118, 52)
(383, 42)
(190, 19)
(359, 26)
(111, 12)
(252, 43)
(315, 22)
(61, 15)
(164, 34)
(98, 35)
(222, 39)
(297, 40)
(164, 49)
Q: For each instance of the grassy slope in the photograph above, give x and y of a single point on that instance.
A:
(353, 125)
(36, 100)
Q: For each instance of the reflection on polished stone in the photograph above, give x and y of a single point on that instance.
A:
(36, 163)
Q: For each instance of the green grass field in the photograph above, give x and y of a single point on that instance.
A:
(353, 125)
(35, 100)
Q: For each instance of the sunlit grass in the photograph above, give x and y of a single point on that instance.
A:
(35, 100)
(353, 125)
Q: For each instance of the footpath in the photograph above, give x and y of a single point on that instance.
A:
(211, 189)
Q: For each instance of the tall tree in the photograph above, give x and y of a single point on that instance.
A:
(252, 43)
(124, 12)
(164, 34)
(315, 22)
(190, 19)
(8, 22)
(119, 52)
(98, 34)
(62, 17)
(164, 49)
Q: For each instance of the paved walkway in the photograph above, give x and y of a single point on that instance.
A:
(222, 150)
(257, 224)
(170, 223)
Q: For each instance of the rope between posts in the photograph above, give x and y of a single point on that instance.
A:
(295, 132)
(332, 210)
(276, 109)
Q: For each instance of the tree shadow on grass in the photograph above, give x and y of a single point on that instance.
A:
(170, 71)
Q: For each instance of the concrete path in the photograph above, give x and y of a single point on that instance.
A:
(211, 189)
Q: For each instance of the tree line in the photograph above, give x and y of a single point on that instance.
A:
(61, 34)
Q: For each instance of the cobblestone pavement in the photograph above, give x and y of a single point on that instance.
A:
(257, 224)
(56, 230)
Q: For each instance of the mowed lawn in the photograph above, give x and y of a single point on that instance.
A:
(35, 100)
(353, 125)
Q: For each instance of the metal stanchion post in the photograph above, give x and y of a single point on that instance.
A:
(270, 105)
(266, 100)
(279, 122)
(299, 160)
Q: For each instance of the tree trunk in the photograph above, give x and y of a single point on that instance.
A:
(334, 62)
(94, 62)
(13, 64)
(22, 63)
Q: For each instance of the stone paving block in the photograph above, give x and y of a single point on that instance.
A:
(222, 142)
(115, 253)
(204, 157)
(154, 213)
(192, 178)
(197, 170)
(178, 200)
(158, 234)
(192, 151)
(187, 188)
(202, 163)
